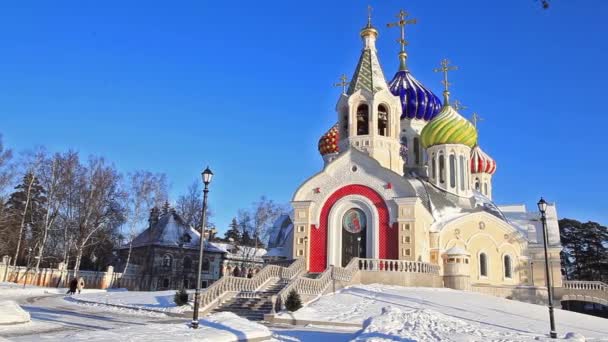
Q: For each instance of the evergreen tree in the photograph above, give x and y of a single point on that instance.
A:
(25, 209)
(247, 240)
(585, 250)
(293, 301)
(234, 232)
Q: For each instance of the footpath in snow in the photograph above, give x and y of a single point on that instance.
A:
(220, 327)
(389, 313)
(160, 301)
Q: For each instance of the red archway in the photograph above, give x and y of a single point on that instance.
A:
(388, 239)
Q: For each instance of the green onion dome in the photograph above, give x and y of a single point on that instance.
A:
(449, 127)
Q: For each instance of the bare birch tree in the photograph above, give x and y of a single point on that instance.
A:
(144, 190)
(100, 205)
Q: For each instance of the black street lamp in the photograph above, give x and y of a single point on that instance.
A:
(542, 207)
(207, 176)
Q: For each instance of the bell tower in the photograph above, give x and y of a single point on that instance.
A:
(368, 114)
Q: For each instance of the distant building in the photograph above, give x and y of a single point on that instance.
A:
(165, 255)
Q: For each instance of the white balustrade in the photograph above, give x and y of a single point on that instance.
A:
(239, 284)
(585, 285)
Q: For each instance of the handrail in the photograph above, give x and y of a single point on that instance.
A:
(389, 265)
(230, 283)
(317, 286)
(585, 285)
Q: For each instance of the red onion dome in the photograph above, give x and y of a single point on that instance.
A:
(328, 143)
(481, 161)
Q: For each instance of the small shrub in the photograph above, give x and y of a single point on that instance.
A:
(293, 301)
(181, 297)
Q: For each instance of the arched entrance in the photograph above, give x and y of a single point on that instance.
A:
(381, 240)
(354, 232)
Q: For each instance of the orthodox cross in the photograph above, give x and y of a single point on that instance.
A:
(458, 105)
(342, 83)
(369, 15)
(445, 68)
(476, 118)
(401, 23)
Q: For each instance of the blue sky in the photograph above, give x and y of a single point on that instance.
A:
(246, 87)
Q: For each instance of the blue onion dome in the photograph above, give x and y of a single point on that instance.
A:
(417, 102)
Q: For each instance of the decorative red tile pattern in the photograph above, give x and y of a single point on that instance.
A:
(388, 238)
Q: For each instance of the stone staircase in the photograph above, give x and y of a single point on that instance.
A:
(253, 305)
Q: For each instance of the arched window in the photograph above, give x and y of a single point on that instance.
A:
(485, 189)
(417, 150)
(433, 168)
(441, 168)
(206, 265)
(461, 159)
(187, 263)
(477, 186)
(483, 265)
(382, 121)
(452, 171)
(362, 119)
(507, 262)
(167, 260)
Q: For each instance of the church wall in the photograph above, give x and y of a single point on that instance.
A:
(412, 228)
(301, 231)
(482, 233)
(538, 271)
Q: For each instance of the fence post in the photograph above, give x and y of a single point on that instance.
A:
(107, 279)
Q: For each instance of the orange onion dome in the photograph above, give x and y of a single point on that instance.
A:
(328, 143)
(481, 161)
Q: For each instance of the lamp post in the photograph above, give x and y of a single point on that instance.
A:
(542, 207)
(207, 176)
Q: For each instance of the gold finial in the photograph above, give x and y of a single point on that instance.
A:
(401, 23)
(458, 105)
(445, 68)
(476, 118)
(342, 83)
(369, 30)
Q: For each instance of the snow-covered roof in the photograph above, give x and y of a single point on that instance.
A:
(280, 231)
(446, 207)
(172, 231)
(234, 251)
(277, 252)
(457, 251)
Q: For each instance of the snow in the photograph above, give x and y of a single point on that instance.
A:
(220, 327)
(428, 309)
(12, 313)
(457, 251)
(161, 301)
(16, 291)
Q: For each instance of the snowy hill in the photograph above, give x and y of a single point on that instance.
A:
(430, 314)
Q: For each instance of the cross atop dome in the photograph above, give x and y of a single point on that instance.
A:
(445, 68)
(402, 23)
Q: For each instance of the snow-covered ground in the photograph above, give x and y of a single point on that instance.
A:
(220, 327)
(161, 301)
(11, 313)
(430, 314)
(15, 291)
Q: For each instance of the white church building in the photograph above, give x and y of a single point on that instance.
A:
(405, 179)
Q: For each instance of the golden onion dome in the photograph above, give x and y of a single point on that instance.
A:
(328, 143)
(449, 127)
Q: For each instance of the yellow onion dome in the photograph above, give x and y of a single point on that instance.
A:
(449, 127)
(328, 143)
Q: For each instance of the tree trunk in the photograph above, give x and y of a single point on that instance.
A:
(22, 227)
